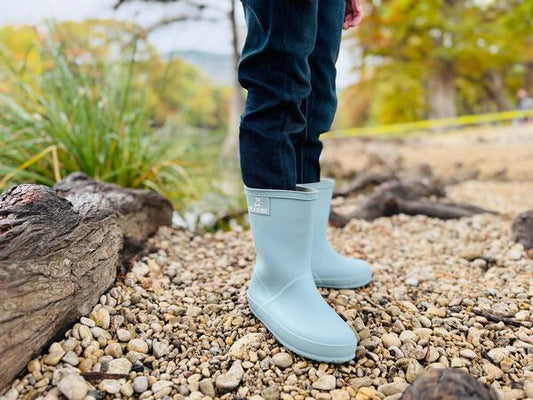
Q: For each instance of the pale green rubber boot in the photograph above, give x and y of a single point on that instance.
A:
(330, 269)
(282, 293)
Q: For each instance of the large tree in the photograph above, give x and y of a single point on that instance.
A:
(441, 57)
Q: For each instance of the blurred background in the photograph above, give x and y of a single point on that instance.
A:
(144, 93)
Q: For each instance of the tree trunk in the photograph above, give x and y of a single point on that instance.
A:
(59, 251)
(495, 87)
(528, 77)
(230, 148)
(440, 94)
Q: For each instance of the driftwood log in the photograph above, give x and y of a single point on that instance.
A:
(413, 192)
(421, 174)
(139, 213)
(448, 384)
(59, 251)
(523, 231)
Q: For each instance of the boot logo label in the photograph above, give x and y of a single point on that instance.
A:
(259, 205)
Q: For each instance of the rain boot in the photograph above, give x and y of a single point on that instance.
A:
(282, 293)
(331, 269)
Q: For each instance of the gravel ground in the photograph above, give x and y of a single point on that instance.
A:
(178, 325)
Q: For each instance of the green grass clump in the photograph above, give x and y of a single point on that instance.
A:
(93, 116)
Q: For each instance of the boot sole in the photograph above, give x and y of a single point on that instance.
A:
(343, 285)
(273, 326)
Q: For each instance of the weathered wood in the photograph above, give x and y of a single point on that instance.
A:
(448, 384)
(54, 265)
(405, 192)
(58, 254)
(140, 212)
(387, 203)
(99, 376)
(497, 317)
(337, 220)
(419, 174)
(441, 210)
(523, 231)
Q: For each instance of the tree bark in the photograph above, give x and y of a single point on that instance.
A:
(440, 94)
(139, 213)
(403, 192)
(496, 88)
(528, 76)
(398, 197)
(230, 147)
(59, 251)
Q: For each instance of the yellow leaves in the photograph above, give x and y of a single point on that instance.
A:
(36, 158)
(21, 44)
(395, 10)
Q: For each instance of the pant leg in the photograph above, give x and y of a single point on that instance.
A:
(274, 69)
(321, 105)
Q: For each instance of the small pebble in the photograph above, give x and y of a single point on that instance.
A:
(140, 384)
(123, 335)
(138, 345)
(110, 386)
(119, 366)
(73, 387)
(325, 382)
(230, 380)
(390, 339)
(282, 360)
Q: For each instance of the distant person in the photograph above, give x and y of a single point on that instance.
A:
(525, 102)
(288, 67)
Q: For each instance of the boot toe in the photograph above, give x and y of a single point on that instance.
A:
(302, 321)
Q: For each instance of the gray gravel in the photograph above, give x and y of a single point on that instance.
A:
(178, 325)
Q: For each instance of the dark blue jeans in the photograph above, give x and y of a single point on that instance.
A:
(288, 67)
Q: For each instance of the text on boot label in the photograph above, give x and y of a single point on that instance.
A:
(259, 205)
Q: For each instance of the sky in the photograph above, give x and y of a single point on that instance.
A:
(211, 36)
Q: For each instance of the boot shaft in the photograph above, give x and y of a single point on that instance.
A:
(281, 222)
(324, 190)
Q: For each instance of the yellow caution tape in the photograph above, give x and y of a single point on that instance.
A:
(430, 124)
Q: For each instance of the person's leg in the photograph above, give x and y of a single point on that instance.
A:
(282, 292)
(274, 69)
(329, 268)
(321, 105)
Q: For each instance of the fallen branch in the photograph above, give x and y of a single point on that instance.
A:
(495, 317)
(98, 376)
(408, 192)
(439, 210)
(421, 174)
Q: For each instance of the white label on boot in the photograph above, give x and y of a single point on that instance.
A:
(259, 205)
